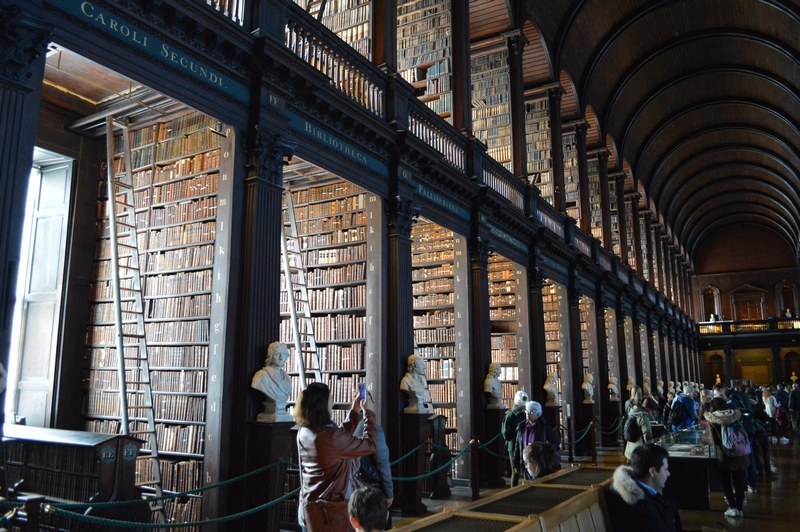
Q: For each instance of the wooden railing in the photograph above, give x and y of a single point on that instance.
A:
(583, 243)
(434, 130)
(549, 217)
(750, 326)
(503, 182)
(350, 72)
(232, 9)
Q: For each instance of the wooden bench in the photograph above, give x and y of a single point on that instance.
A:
(568, 500)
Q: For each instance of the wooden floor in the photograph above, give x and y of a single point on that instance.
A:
(774, 507)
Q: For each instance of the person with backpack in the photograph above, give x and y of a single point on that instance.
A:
(512, 419)
(682, 412)
(733, 452)
(637, 429)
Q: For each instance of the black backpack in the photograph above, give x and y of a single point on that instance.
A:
(632, 431)
(677, 415)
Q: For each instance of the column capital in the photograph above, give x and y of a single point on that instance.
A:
(403, 215)
(22, 42)
(266, 153)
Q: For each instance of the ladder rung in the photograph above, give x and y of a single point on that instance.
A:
(132, 335)
(124, 245)
(134, 432)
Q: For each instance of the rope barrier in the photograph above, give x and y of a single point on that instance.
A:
(488, 443)
(409, 453)
(435, 471)
(616, 424)
(585, 432)
(50, 508)
(65, 505)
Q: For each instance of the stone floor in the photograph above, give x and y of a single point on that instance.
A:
(773, 507)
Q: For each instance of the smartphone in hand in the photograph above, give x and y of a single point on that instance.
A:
(362, 391)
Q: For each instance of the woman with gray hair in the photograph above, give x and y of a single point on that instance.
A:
(533, 428)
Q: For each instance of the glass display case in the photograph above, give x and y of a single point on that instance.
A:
(693, 468)
(688, 443)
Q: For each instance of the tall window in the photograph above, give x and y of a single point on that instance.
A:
(711, 303)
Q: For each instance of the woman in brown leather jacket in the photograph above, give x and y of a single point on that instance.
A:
(326, 451)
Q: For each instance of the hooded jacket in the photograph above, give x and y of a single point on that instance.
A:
(716, 421)
(632, 508)
(689, 407)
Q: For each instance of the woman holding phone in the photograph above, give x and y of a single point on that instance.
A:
(326, 453)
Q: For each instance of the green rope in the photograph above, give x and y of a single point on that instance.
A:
(435, 471)
(488, 443)
(615, 426)
(135, 524)
(65, 505)
(585, 432)
(409, 453)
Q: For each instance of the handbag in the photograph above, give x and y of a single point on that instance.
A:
(322, 515)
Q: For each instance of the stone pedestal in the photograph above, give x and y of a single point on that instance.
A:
(492, 466)
(415, 429)
(267, 443)
(610, 417)
(440, 455)
(583, 417)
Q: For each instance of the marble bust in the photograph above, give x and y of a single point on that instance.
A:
(588, 389)
(492, 387)
(613, 389)
(274, 383)
(551, 389)
(660, 388)
(415, 386)
(646, 386)
(671, 387)
(631, 383)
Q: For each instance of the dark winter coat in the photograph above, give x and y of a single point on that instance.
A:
(632, 509)
(541, 432)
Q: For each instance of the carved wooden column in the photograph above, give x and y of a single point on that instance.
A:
(648, 246)
(383, 32)
(519, 155)
(480, 334)
(583, 178)
(622, 217)
(605, 206)
(608, 410)
(22, 47)
(556, 153)
(637, 351)
(637, 234)
(462, 88)
(538, 362)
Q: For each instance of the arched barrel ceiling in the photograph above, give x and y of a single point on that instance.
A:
(700, 97)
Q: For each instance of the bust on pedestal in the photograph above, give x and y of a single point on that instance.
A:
(551, 389)
(646, 386)
(274, 383)
(493, 388)
(631, 383)
(613, 389)
(415, 386)
(671, 387)
(588, 389)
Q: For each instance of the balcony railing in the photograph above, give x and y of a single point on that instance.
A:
(233, 9)
(750, 327)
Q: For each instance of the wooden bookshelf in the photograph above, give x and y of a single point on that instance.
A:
(177, 169)
(424, 41)
(571, 178)
(613, 206)
(643, 239)
(539, 147)
(491, 109)
(440, 329)
(595, 205)
(504, 299)
(553, 330)
(331, 222)
(629, 235)
(349, 19)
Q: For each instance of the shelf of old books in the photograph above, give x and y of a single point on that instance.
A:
(424, 40)
(556, 323)
(434, 303)
(538, 146)
(613, 205)
(491, 109)
(595, 205)
(331, 222)
(569, 148)
(588, 328)
(630, 239)
(612, 343)
(177, 165)
(643, 240)
(504, 297)
(349, 19)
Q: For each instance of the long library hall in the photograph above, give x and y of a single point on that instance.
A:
(208, 205)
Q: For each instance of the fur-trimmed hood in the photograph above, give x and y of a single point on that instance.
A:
(624, 484)
(723, 417)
